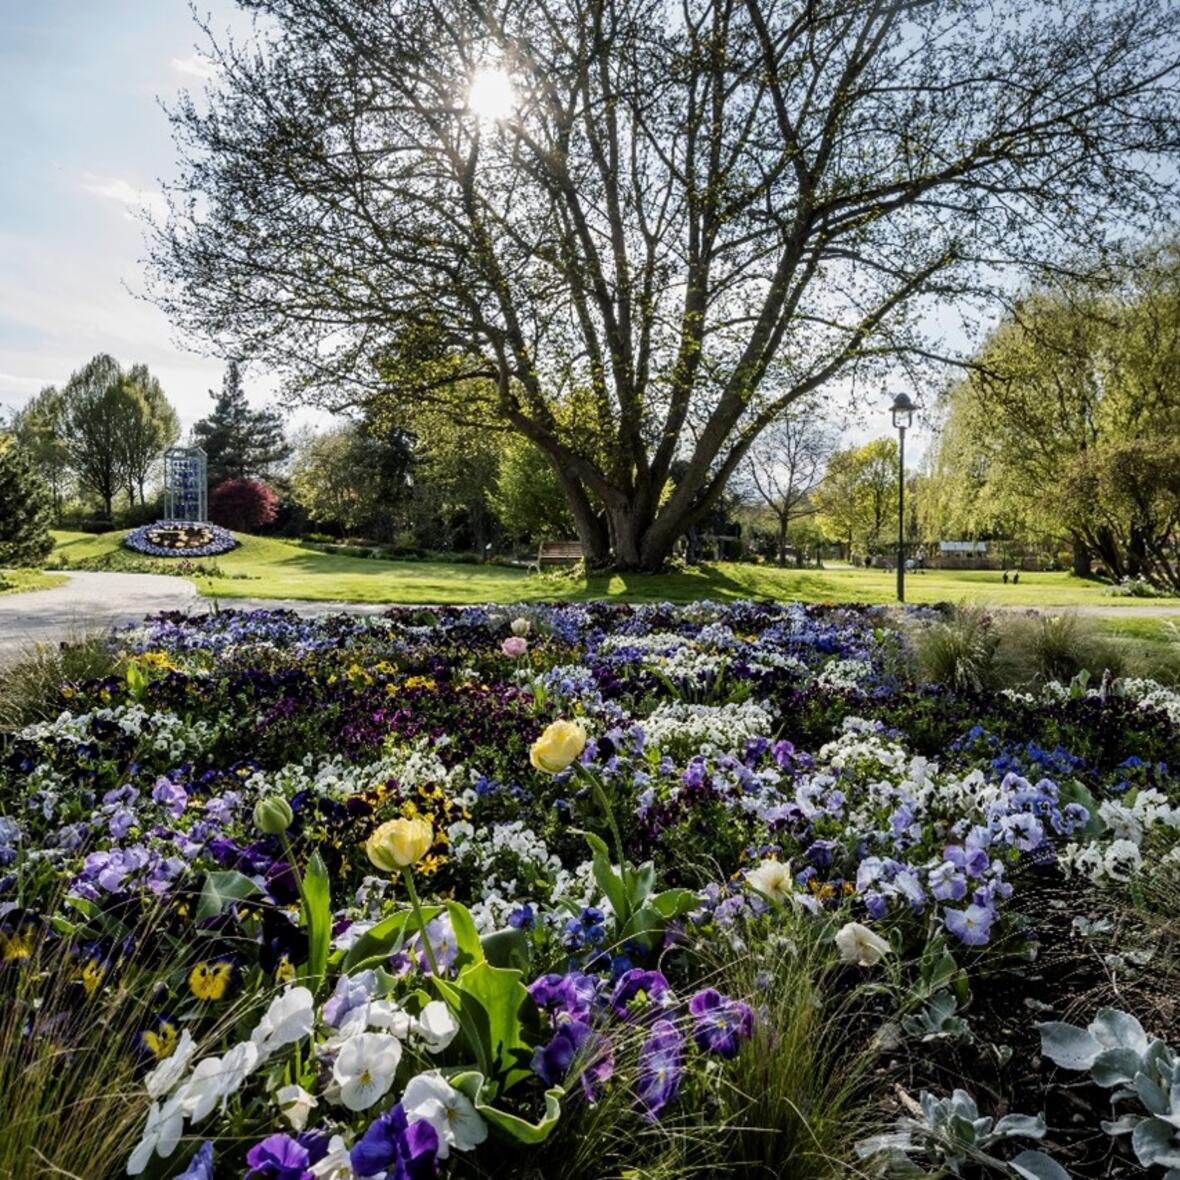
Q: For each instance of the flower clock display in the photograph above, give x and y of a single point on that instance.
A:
(180, 538)
(453, 892)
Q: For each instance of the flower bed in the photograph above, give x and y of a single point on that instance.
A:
(588, 890)
(180, 538)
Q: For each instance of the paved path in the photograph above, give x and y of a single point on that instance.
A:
(96, 601)
(88, 602)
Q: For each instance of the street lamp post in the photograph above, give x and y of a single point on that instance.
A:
(903, 416)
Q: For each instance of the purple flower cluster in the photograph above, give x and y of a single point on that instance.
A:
(582, 1008)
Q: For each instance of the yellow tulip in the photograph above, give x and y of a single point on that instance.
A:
(399, 843)
(558, 746)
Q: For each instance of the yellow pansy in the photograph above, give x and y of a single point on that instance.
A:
(161, 1041)
(94, 971)
(210, 980)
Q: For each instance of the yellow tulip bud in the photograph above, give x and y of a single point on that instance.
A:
(399, 843)
(558, 746)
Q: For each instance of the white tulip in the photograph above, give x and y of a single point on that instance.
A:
(296, 1104)
(860, 945)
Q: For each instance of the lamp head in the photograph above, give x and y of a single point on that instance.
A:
(903, 411)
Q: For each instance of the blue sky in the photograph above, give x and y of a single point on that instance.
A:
(84, 142)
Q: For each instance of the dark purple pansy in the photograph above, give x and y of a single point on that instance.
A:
(720, 1024)
(394, 1147)
(636, 988)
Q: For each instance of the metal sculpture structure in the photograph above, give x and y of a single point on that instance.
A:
(186, 484)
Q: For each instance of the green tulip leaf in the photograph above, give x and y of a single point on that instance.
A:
(380, 941)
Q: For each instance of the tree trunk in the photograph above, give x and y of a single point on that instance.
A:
(1081, 558)
(588, 524)
(782, 540)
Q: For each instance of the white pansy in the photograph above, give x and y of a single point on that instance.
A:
(860, 945)
(703, 728)
(430, 1097)
(1122, 860)
(296, 1104)
(288, 1019)
(388, 1016)
(238, 1064)
(164, 1077)
(364, 1068)
(435, 1027)
(165, 1125)
(772, 878)
(204, 1088)
(336, 1165)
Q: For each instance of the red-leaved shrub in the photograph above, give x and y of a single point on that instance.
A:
(243, 504)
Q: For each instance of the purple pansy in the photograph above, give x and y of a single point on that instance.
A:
(394, 1147)
(971, 926)
(720, 1024)
(660, 1069)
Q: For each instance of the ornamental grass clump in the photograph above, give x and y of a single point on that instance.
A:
(959, 653)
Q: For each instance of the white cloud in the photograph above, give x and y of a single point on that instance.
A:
(115, 188)
(196, 65)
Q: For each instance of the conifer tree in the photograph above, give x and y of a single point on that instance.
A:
(240, 442)
(26, 508)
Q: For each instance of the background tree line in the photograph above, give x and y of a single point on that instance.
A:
(1067, 426)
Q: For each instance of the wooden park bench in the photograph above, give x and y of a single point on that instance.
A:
(557, 553)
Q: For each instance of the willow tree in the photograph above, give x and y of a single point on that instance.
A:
(686, 216)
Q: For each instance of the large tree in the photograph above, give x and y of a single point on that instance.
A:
(858, 496)
(690, 215)
(1052, 431)
(149, 432)
(240, 442)
(39, 427)
(98, 413)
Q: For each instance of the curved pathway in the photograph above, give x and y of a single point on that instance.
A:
(87, 602)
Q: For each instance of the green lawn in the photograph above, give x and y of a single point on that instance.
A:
(17, 581)
(264, 567)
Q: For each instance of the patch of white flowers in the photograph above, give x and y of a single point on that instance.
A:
(1150, 694)
(158, 730)
(707, 728)
(412, 766)
(514, 866)
(844, 675)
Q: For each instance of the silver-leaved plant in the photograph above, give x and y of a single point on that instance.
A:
(1139, 1069)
